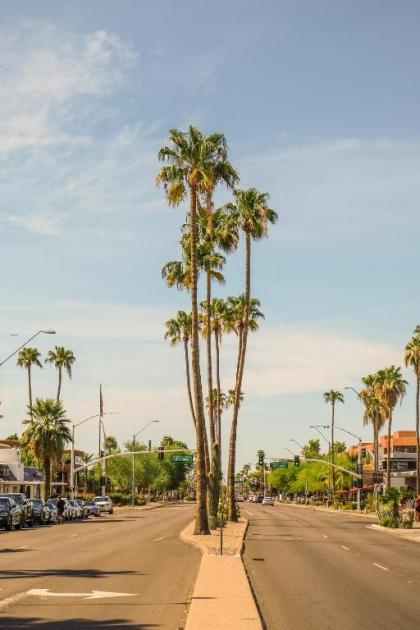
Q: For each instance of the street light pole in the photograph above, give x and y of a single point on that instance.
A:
(306, 468)
(359, 459)
(40, 332)
(133, 459)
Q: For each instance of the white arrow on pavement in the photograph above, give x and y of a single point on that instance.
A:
(45, 592)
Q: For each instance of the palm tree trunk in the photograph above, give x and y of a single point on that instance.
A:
(47, 478)
(59, 383)
(209, 361)
(388, 452)
(233, 514)
(201, 517)
(187, 372)
(218, 405)
(375, 447)
(418, 436)
(30, 390)
(332, 450)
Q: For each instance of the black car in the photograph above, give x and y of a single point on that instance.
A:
(25, 504)
(10, 514)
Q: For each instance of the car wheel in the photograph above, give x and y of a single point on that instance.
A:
(8, 525)
(111, 511)
(31, 522)
(19, 525)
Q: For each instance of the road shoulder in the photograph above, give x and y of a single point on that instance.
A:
(222, 596)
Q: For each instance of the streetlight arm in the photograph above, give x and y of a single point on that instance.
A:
(349, 433)
(46, 332)
(353, 390)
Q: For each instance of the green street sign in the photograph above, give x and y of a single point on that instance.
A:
(185, 459)
(281, 464)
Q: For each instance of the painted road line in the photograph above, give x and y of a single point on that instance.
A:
(325, 535)
(375, 564)
(158, 539)
(11, 600)
(45, 592)
(344, 547)
(23, 547)
(248, 512)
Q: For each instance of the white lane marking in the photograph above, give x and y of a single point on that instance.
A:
(158, 539)
(344, 547)
(375, 564)
(325, 535)
(73, 536)
(23, 547)
(45, 592)
(11, 600)
(248, 512)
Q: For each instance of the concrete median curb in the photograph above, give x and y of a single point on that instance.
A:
(222, 596)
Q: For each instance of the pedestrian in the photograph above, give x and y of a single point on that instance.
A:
(417, 509)
(60, 509)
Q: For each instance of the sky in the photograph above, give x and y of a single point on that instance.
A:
(319, 103)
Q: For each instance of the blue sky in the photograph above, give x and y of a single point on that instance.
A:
(319, 103)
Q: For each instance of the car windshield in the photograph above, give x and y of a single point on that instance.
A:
(37, 502)
(18, 498)
(101, 499)
(4, 502)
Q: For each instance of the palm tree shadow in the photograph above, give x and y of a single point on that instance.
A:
(26, 623)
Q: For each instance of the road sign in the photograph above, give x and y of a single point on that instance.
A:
(186, 459)
(280, 464)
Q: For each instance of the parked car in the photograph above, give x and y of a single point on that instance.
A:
(104, 504)
(77, 508)
(25, 504)
(52, 507)
(10, 514)
(267, 501)
(92, 508)
(41, 511)
(240, 498)
(81, 504)
(69, 513)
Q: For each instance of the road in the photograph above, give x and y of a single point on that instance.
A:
(311, 569)
(137, 552)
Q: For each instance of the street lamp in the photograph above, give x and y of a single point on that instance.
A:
(133, 458)
(288, 449)
(359, 458)
(96, 415)
(40, 332)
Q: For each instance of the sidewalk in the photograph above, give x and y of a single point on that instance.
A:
(406, 534)
(222, 597)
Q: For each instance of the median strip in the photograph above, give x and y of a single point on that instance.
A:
(222, 596)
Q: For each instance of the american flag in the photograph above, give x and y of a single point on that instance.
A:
(101, 401)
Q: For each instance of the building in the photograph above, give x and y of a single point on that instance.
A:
(402, 458)
(14, 475)
(60, 483)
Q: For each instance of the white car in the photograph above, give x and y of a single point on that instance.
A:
(267, 501)
(104, 504)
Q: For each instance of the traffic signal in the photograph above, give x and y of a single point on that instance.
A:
(102, 481)
(359, 483)
(261, 458)
(161, 453)
(296, 460)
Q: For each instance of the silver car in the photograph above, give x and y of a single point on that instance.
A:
(104, 504)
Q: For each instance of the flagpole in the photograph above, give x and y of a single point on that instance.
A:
(102, 464)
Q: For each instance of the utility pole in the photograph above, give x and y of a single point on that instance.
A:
(102, 464)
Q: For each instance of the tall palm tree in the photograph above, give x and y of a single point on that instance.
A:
(62, 359)
(331, 398)
(28, 357)
(178, 329)
(390, 387)
(374, 413)
(412, 359)
(190, 158)
(46, 434)
(253, 215)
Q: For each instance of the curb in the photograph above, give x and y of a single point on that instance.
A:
(222, 597)
(318, 508)
(401, 533)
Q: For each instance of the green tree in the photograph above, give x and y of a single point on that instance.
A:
(47, 434)
(331, 398)
(28, 357)
(178, 329)
(13, 436)
(412, 359)
(374, 413)
(62, 359)
(390, 387)
(111, 444)
(190, 161)
(86, 459)
(312, 449)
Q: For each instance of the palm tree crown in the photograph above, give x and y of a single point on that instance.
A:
(62, 359)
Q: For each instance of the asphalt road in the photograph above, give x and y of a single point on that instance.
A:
(138, 553)
(312, 569)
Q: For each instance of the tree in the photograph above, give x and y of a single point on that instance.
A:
(111, 444)
(374, 413)
(47, 434)
(28, 357)
(178, 329)
(86, 459)
(331, 398)
(13, 436)
(412, 359)
(312, 449)
(190, 158)
(62, 359)
(390, 387)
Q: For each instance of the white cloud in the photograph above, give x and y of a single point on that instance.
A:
(44, 71)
